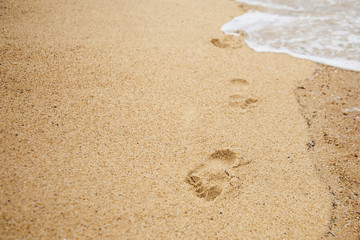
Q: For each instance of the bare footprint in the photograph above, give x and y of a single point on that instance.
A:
(241, 98)
(228, 41)
(239, 85)
(239, 81)
(242, 102)
(212, 177)
(236, 97)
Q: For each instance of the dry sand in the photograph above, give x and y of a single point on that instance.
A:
(141, 120)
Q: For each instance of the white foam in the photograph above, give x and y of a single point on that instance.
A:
(324, 31)
(355, 109)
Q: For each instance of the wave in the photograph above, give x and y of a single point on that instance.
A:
(324, 31)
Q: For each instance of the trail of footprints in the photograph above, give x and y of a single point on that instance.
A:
(242, 85)
(239, 99)
(216, 174)
(209, 180)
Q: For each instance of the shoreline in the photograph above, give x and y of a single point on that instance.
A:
(142, 120)
(334, 135)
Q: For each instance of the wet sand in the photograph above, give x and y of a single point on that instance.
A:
(141, 120)
(329, 101)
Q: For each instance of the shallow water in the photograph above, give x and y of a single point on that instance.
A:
(324, 31)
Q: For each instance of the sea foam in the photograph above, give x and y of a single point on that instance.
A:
(324, 31)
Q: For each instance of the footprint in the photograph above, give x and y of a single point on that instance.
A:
(228, 41)
(219, 43)
(239, 84)
(241, 99)
(242, 102)
(211, 178)
(236, 97)
(239, 81)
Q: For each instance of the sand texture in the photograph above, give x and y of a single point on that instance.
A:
(141, 120)
(328, 101)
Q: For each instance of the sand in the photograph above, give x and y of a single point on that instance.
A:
(327, 101)
(141, 120)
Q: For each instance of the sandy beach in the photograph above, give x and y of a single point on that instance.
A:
(142, 120)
